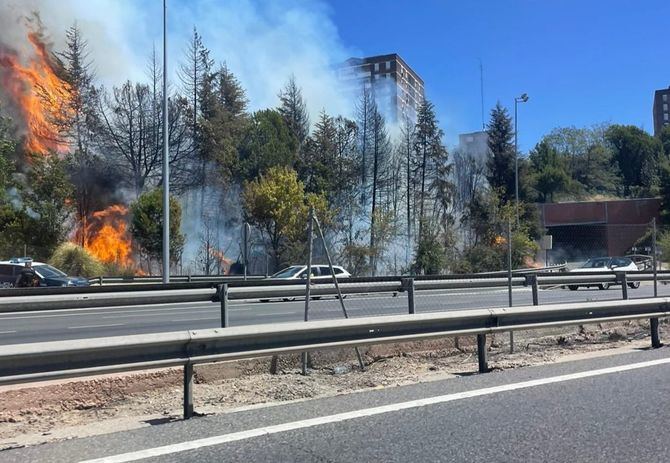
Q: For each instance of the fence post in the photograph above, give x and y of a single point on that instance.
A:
(653, 322)
(621, 279)
(481, 353)
(655, 338)
(316, 222)
(653, 258)
(101, 280)
(408, 285)
(308, 282)
(223, 298)
(189, 277)
(188, 390)
(531, 280)
(509, 278)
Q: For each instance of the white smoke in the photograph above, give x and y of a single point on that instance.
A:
(263, 43)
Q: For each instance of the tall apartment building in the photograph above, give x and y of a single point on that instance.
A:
(661, 112)
(398, 89)
(474, 144)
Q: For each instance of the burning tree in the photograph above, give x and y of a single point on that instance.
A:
(146, 227)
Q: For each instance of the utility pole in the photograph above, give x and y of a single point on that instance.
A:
(166, 159)
(520, 99)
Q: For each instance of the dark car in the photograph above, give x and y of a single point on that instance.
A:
(47, 275)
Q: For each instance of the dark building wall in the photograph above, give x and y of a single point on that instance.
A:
(591, 229)
(661, 109)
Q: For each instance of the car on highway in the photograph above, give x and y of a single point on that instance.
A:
(319, 272)
(47, 274)
(299, 273)
(605, 264)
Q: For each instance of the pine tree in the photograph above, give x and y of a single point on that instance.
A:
(230, 92)
(430, 163)
(79, 123)
(500, 163)
(294, 110)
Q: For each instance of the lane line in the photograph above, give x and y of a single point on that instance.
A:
(340, 417)
(94, 311)
(7, 332)
(94, 326)
(276, 313)
(194, 319)
(187, 312)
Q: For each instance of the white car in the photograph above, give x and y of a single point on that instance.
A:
(299, 273)
(606, 264)
(319, 272)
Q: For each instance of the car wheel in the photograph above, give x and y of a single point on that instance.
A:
(634, 285)
(316, 298)
(604, 286)
(288, 299)
(573, 287)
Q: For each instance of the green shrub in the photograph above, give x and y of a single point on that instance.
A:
(75, 260)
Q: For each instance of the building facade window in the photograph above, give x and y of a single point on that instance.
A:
(376, 67)
(665, 116)
(665, 97)
(665, 107)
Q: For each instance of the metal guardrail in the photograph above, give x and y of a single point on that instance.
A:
(74, 358)
(141, 279)
(32, 299)
(137, 279)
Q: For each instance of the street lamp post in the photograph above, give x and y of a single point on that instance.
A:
(519, 99)
(166, 159)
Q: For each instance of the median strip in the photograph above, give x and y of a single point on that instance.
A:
(341, 417)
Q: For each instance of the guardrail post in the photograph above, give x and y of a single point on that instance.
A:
(655, 338)
(408, 285)
(223, 298)
(188, 390)
(654, 251)
(531, 280)
(481, 353)
(101, 280)
(189, 277)
(623, 281)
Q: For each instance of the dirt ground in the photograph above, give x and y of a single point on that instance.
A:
(46, 412)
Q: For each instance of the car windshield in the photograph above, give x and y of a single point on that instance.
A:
(47, 271)
(288, 272)
(596, 263)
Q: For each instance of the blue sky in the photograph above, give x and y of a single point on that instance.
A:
(581, 62)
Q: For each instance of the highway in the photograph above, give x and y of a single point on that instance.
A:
(604, 409)
(24, 327)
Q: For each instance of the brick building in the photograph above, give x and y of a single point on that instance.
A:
(397, 87)
(661, 109)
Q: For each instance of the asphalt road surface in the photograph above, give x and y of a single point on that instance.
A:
(607, 409)
(25, 327)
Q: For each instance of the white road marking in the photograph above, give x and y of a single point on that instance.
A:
(277, 313)
(93, 326)
(340, 417)
(131, 315)
(7, 332)
(194, 319)
(94, 311)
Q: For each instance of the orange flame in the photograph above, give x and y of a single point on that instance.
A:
(39, 93)
(107, 236)
(224, 262)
